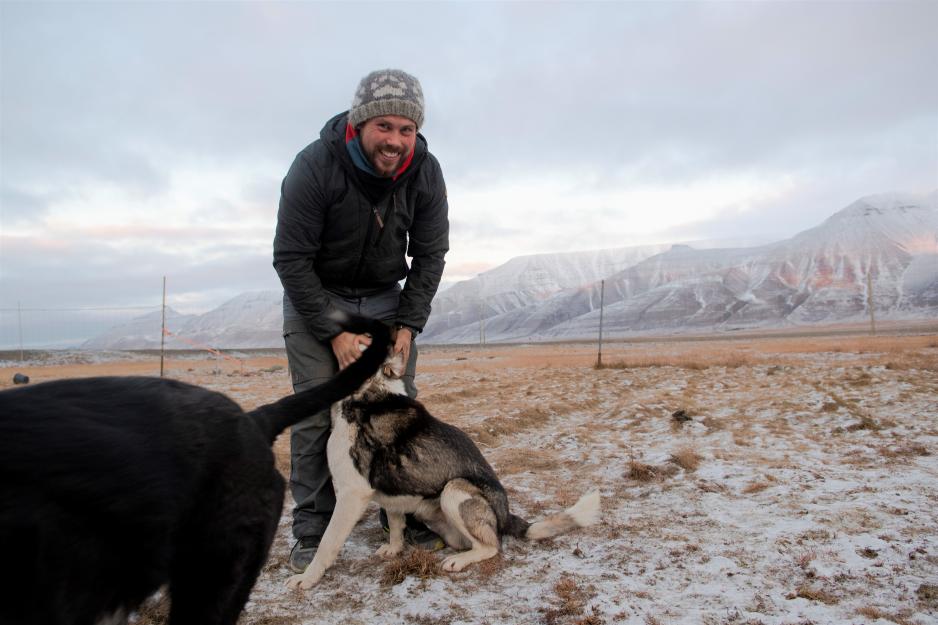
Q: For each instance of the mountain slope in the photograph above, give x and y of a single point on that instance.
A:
(517, 289)
(823, 275)
(250, 320)
(820, 275)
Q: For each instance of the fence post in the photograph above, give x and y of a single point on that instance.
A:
(19, 320)
(602, 297)
(163, 327)
(481, 324)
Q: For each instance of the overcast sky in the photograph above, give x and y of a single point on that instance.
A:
(143, 139)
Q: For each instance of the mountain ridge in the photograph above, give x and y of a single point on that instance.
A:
(819, 275)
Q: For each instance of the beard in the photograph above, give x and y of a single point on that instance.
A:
(382, 165)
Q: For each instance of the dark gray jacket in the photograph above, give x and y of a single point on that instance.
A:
(329, 237)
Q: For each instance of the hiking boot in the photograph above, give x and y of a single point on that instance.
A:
(424, 538)
(415, 533)
(303, 552)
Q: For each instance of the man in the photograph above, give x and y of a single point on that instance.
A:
(352, 205)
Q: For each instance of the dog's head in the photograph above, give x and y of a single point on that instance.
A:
(387, 380)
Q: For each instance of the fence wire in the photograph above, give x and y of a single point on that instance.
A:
(36, 328)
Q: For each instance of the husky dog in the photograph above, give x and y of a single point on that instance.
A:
(388, 448)
(113, 487)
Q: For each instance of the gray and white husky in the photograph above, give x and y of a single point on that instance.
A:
(388, 448)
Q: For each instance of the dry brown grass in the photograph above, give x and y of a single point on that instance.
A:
(866, 422)
(513, 460)
(713, 423)
(907, 450)
(751, 404)
(447, 397)
(814, 594)
(805, 558)
(687, 458)
(418, 563)
(900, 351)
(642, 472)
(690, 361)
(927, 595)
(276, 620)
(755, 487)
(426, 619)
(491, 429)
(593, 618)
(490, 567)
(569, 602)
(901, 618)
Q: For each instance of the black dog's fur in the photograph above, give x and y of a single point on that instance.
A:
(113, 487)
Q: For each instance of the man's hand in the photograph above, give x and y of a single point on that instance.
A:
(402, 345)
(348, 347)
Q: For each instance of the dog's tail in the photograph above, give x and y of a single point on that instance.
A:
(581, 514)
(274, 418)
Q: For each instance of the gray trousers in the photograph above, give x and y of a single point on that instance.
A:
(311, 363)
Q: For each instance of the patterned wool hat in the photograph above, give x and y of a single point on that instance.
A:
(387, 92)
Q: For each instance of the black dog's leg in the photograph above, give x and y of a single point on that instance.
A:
(215, 570)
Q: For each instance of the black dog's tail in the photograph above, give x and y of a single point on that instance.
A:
(274, 418)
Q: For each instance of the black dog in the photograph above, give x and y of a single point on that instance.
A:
(111, 488)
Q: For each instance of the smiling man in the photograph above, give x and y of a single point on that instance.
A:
(354, 205)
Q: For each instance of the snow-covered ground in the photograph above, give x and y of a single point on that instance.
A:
(801, 487)
(814, 500)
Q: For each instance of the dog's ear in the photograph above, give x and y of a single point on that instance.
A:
(394, 366)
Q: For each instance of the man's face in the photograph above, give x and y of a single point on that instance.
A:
(386, 141)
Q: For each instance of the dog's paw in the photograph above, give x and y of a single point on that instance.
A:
(302, 582)
(454, 564)
(387, 550)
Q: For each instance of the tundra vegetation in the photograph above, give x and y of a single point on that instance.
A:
(746, 480)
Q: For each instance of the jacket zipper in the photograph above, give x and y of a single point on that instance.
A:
(380, 222)
(389, 213)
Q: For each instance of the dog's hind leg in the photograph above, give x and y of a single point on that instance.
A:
(432, 516)
(469, 513)
(215, 568)
(395, 544)
(348, 510)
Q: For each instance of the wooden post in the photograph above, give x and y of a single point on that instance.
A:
(19, 318)
(163, 328)
(481, 323)
(602, 297)
(869, 297)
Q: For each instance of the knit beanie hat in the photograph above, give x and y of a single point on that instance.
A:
(387, 92)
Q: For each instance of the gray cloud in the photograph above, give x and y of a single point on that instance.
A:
(838, 97)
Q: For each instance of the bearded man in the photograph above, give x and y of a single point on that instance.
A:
(354, 204)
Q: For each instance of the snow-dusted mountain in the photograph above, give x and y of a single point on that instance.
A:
(819, 276)
(250, 320)
(140, 333)
(822, 275)
(525, 283)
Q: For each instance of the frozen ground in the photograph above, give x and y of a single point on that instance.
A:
(798, 485)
